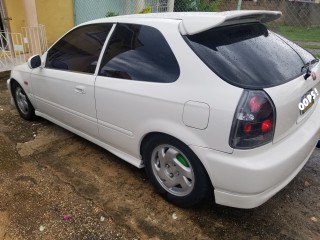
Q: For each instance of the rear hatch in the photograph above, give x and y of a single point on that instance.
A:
(295, 101)
(244, 53)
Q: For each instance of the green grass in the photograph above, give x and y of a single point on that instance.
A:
(311, 46)
(295, 33)
(318, 56)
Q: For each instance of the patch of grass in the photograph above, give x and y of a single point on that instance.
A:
(295, 33)
(311, 46)
(318, 56)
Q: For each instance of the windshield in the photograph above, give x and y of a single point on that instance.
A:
(249, 55)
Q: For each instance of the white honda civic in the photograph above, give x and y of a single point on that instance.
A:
(203, 101)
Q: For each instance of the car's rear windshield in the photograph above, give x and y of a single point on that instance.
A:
(249, 55)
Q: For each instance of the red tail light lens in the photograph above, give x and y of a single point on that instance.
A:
(255, 104)
(254, 120)
(247, 128)
(266, 126)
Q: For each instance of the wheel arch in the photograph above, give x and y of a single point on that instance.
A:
(203, 180)
(151, 135)
(25, 86)
(11, 84)
(147, 137)
(24, 105)
(20, 83)
(13, 81)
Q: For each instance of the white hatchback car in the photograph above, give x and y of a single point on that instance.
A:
(201, 100)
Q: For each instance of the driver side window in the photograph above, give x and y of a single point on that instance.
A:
(79, 50)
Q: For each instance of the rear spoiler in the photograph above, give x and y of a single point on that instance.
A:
(198, 23)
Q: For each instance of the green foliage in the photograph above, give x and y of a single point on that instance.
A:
(297, 33)
(196, 5)
(145, 10)
(111, 14)
(209, 5)
(311, 46)
(185, 5)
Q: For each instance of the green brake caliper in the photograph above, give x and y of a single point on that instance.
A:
(182, 160)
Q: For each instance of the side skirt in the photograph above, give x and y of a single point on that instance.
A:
(128, 158)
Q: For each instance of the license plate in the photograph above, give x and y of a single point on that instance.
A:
(310, 103)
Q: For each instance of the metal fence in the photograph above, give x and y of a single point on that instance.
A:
(35, 40)
(16, 48)
(11, 50)
(302, 13)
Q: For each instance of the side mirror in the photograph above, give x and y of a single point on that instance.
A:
(34, 61)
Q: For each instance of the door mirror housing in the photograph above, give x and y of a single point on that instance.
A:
(34, 62)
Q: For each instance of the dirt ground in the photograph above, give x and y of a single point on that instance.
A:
(56, 185)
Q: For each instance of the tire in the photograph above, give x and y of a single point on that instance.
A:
(176, 172)
(22, 102)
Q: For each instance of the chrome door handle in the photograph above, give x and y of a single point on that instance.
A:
(80, 89)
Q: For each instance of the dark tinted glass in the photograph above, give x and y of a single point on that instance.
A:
(139, 53)
(249, 55)
(79, 50)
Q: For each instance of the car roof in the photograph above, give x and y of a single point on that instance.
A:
(195, 22)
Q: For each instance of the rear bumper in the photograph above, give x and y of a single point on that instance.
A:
(248, 178)
(254, 200)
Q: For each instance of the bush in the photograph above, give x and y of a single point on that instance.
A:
(196, 5)
(185, 5)
(146, 10)
(209, 5)
(111, 14)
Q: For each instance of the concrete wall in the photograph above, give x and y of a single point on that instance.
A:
(56, 15)
(15, 10)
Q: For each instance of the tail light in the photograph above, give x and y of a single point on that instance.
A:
(254, 120)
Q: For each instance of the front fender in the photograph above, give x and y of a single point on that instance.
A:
(9, 88)
(22, 75)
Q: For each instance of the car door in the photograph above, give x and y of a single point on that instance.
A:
(64, 88)
(127, 85)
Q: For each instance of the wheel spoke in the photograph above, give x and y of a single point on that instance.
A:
(25, 102)
(183, 170)
(184, 183)
(170, 155)
(161, 172)
(167, 155)
(25, 107)
(170, 183)
(161, 156)
(22, 96)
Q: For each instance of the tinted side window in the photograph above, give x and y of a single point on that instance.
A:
(248, 55)
(79, 50)
(139, 53)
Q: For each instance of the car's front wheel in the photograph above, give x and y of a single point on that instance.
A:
(176, 172)
(22, 102)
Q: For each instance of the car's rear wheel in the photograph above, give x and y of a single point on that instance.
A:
(175, 171)
(22, 102)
